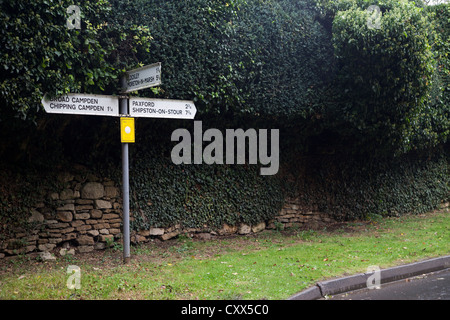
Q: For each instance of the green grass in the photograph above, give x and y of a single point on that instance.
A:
(270, 265)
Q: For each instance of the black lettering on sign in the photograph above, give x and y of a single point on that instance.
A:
(134, 76)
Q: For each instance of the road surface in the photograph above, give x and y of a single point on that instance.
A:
(432, 286)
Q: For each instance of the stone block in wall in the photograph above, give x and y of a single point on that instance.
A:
(65, 216)
(67, 230)
(84, 240)
(77, 223)
(111, 192)
(42, 241)
(82, 216)
(169, 235)
(173, 228)
(102, 204)
(83, 207)
(84, 201)
(92, 190)
(84, 227)
(244, 229)
(102, 225)
(156, 231)
(106, 237)
(109, 216)
(144, 233)
(114, 231)
(227, 229)
(96, 214)
(43, 235)
(259, 227)
(67, 207)
(137, 238)
(56, 234)
(46, 247)
(93, 233)
(66, 194)
(36, 216)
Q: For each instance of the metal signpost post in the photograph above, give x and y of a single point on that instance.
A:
(125, 184)
(100, 105)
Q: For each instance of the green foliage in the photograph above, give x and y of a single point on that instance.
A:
(433, 121)
(354, 188)
(164, 194)
(241, 56)
(39, 54)
(384, 73)
(290, 61)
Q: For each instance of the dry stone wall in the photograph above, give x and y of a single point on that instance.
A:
(293, 214)
(86, 214)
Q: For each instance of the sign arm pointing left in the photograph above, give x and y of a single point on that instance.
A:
(82, 104)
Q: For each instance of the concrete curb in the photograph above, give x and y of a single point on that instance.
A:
(359, 281)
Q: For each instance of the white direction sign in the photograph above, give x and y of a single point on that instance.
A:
(82, 104)
(162, 108)
(141, 78)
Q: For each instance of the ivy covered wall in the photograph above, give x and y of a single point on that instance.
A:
(347, 145)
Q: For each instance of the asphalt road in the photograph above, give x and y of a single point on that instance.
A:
(432, 286)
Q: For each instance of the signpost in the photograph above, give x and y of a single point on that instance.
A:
(82, 104)
(100, 105)
(141, 78)
(162, 108)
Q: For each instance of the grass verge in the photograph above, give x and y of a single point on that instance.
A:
(269, 265)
